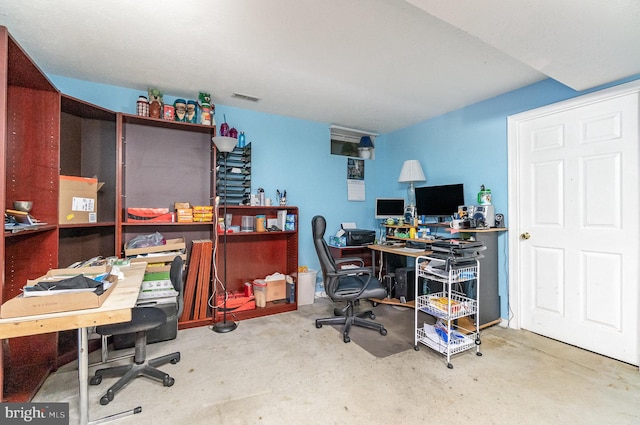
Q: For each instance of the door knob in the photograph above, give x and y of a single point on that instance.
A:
(525, 236)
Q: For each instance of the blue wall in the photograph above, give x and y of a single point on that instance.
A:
(465, 146)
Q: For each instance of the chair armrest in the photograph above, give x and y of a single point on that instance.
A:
(361, 271)
(357, 270)
(339, 261)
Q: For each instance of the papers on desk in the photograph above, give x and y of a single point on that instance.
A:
(437, 267)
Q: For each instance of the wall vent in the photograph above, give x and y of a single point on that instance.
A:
(246, 97)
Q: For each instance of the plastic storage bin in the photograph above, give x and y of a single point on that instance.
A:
(260, 293)
(306, 287)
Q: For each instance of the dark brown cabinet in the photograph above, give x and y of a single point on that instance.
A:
(46, 134)
(161, 163)
(88, 149)
(143, 162)
(29, 135)
(255, 255)
(164, 162)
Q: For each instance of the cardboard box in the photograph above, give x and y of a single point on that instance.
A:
(78, 200)
(276, 290)
(203, 209)
(171, 245)
(27, 306)
(185, 215)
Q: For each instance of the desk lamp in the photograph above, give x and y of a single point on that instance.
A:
(225, 145)
(411, 172)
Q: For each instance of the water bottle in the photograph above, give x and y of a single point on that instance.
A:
(241, 140)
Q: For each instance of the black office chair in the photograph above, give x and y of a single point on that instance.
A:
(143, 319)
(350, 285)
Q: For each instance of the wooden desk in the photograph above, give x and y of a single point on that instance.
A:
(489, 298)
(393, 250)
(115, 309)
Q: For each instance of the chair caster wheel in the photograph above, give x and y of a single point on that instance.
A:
(449, 365)
(372, 316)
(375, 304)
(176, 360)
(95, 380)
(104, 400)
(383, 331)
(168, 381)
(318, 325)
(415, 347)
(479, 354)
(346, 338)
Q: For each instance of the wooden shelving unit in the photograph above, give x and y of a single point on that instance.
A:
(88, 149)
(254, 255)
(163, 162)
(29, 135)
(143, 162)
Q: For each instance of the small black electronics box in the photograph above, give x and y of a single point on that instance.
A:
(357, 237)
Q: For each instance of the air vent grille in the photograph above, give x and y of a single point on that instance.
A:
(246, 97)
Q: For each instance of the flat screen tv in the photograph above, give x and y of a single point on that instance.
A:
(389, 208)
(439, 201)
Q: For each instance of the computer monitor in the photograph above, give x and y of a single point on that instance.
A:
(389, 208)
(439, 201)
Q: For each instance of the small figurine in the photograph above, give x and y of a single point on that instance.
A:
(206, 115)
(142, 106)
(192, 111)
(180, 106)
(204, 98)
(155, 103)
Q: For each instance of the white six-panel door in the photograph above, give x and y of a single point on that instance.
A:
(574, 213)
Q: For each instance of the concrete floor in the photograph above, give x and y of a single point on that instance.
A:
(282, 370)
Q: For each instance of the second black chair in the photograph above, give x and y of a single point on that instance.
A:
(350, 285)
(143, 319)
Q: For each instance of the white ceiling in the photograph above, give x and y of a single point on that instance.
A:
(375, 65)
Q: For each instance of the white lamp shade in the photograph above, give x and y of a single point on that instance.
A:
(411, 172)
(224, 143)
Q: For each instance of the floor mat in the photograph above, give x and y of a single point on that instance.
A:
(399, 323)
